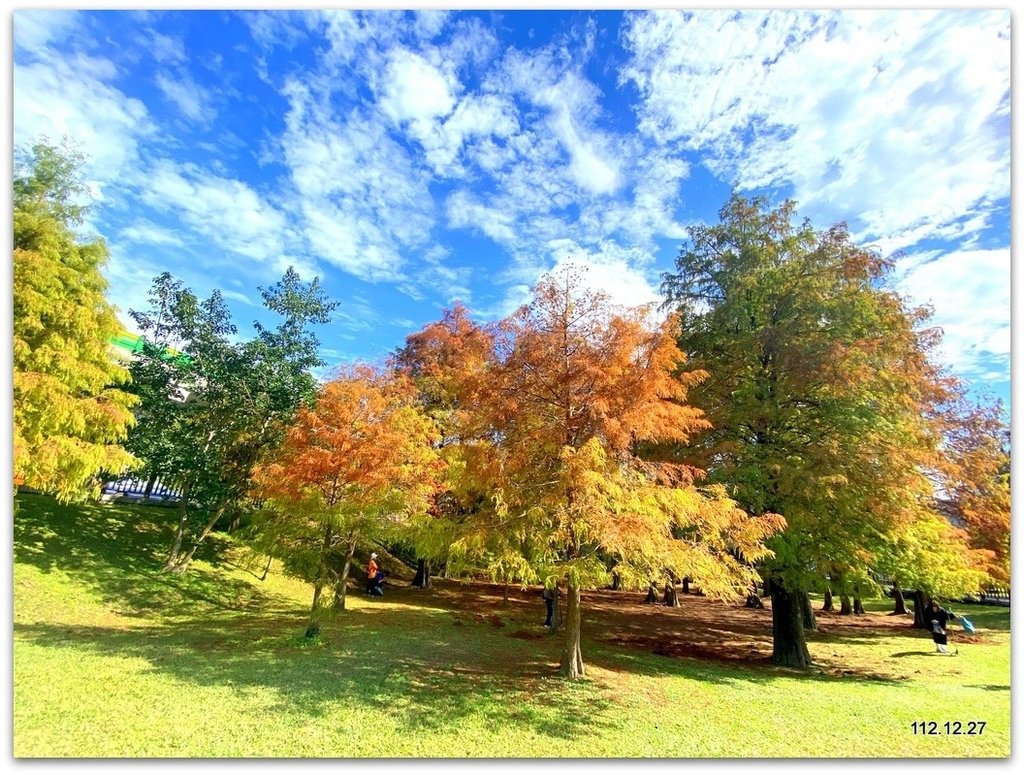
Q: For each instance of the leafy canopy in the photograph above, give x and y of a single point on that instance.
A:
(70, 411)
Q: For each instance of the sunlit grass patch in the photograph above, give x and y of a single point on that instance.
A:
(114, 658)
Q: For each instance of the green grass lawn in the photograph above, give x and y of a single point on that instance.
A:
(113, 658)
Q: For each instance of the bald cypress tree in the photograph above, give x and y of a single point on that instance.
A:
(70, 413)
(821, 393)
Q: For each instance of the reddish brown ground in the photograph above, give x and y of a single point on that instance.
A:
(700, 628)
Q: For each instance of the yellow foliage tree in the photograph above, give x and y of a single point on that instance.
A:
(70, 416)
(575, 386)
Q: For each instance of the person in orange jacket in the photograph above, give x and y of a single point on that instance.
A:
(373, 576)
(371, 568)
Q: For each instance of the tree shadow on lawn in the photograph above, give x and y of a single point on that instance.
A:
(432, 679)
(85, 540)
(88, 540)
(716, 641)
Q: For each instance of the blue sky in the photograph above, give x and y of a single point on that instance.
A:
(410, 159)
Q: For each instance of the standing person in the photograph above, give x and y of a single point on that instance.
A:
(549, 600)
(939, 617)
(371, 573)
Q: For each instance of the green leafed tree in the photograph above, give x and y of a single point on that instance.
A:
(71, 413)
(821, 393)
(210, 405)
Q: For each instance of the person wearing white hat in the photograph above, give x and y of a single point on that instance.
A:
(373, 576)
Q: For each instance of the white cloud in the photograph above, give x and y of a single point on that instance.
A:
(191, 99)
(350, 32)
(351, 243)
(497, 223)
(35, 29)
(226, 211)
(279, 27)
(970, 293)
(73, 97)
(415, 90)
(474, 121)
(572, 103)
(167, 49)
(240, 297)
(145, 232)
(897, 121)
(609, 268)
(430, 22)
(363, 199)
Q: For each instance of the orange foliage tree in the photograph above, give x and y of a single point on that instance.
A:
(357, 464)
(977, 481)
(447, 360)
(574, 387)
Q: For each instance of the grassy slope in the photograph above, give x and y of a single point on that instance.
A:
(113, 658)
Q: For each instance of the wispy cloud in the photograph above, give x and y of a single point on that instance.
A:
(896, 120)
(145, 232)
(226, 211)
(970, 293)
(74, 96)
(191, 99)
(35, 29)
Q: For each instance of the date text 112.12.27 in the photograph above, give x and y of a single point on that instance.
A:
(947, 727)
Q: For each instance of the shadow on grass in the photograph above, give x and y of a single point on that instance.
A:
(653, 640)
(431, 679)
(119, 551)
(701, 667)
(210, 628)
(402, 651)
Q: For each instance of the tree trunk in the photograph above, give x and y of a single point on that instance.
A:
(671, 598)
(422, 577)
(829, 605)
(149, 487)
(182, 564)
(686, 585)
(267, 569)
(318, 585)
(616, 581)
(572, 656)
(858, 607)
(179, 535)
(504, 599)
(921, 611)
(557, 618)
(767, 584)
(652, 593)
(900, 605)
(314, 612)
(341, 587)
(810, 623)
(789, 644)
(845, 609)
